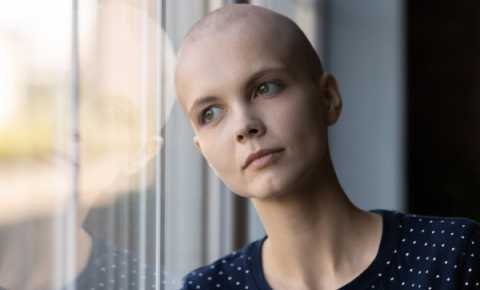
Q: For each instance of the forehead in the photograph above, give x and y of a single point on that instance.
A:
(225, 60)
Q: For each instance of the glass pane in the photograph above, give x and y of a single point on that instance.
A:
(86, 88)
(101, 185)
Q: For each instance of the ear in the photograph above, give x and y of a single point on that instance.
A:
(332, 98)
(196, 143)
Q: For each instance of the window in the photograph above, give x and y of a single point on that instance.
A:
(97, 165)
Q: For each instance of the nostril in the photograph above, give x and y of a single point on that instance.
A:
(249, 132)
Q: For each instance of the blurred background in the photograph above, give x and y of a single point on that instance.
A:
(92, 140)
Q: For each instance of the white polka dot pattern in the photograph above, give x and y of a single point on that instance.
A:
(114, 269)
(416, 252)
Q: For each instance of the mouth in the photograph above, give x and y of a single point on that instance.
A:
(261, 158)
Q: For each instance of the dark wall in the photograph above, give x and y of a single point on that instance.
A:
(443, 107)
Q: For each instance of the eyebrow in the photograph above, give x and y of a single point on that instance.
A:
(260, 73)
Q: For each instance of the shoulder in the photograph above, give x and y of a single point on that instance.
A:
(422, 247)
(436, 231)
(231, 270)
(424, 224)
(450, 241)
(442, 227)
(429, 237)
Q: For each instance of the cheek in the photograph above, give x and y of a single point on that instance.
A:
(220, 156)
(298, 121)
(302, 130)
(224, 166)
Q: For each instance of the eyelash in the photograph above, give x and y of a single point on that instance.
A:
(200, 118)
(279, 84)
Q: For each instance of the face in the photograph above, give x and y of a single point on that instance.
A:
(243, 92)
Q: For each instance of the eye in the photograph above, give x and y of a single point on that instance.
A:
(208, 114)
(268, 88)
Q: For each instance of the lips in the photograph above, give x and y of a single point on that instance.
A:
(259, 154)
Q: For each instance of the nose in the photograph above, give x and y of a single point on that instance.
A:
(252, 128)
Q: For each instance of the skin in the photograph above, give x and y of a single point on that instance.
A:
(267, 90)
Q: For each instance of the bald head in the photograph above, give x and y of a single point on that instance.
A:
(255, 24)
(248, 78)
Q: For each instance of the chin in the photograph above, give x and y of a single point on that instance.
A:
(269, 195)
(280, 183)
(258, 190)
(273, 182)
(268, 187)
(262, 195)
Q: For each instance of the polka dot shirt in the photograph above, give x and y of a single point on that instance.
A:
(109, 268)
(416, 252)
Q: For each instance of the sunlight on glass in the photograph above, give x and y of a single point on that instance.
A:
(124, 85)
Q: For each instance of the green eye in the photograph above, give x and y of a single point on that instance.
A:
(268, 88)
(209, 114)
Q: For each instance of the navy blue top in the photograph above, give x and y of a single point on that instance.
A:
(415, 251)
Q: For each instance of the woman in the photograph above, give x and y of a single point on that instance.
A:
(260, 104)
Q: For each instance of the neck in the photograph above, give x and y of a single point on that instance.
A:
(314, 237)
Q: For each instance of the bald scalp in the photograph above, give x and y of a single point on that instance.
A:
(246, 18)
